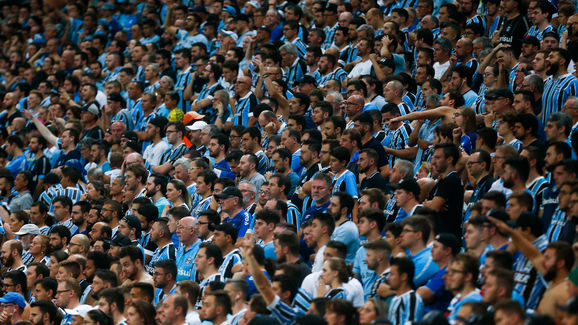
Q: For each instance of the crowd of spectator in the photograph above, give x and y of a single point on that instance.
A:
(289, 162)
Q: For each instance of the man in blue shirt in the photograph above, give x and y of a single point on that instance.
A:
(164, 279)
(414, 237)
(231, 202)
(15, 150)
(340, 208)
(187, 231)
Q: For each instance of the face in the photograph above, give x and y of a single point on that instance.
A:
(491, 290)
(133, 317)
(128, 267)
(474, 237)
(454, 277)
(320, 191)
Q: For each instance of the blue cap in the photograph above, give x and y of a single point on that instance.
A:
(231, 10)
(14, 298)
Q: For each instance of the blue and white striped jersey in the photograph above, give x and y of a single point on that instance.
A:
(558, 221)
(167, 252)
(405, 308)
(183, 79)
(244, 109)
(174, 153)
(527, 282)
(556, 92)
(229, 260)
(539, 34)
(346, 182)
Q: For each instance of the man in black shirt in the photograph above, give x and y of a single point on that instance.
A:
(364, 124)
(515, 26)
(40, 166)
(447, 196)
(368, 167)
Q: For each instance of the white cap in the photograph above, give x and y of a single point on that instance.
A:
(28, 229)
(197, 126)
(80, 310)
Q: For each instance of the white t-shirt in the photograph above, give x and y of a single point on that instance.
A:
(353, 288)
(362, 68)
(440, 69)
(154, 152)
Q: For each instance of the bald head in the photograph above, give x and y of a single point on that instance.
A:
(134, 158)
(358, 99)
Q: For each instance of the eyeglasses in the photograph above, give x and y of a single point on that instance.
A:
(471, 163)
(62, 291)
(265, 192)
(170, 131)
(408, 230)
(8, 285)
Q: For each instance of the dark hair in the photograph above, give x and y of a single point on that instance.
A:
(212, 250)
(341, 153)
(450, 150)
(100, 317)
(521, 165)
(48, 307)
(345, 201)
(489, 136)
(146, 289)
(132, 252)
(113, 295)
(496, 196)
(169, 266)
(146, 310)
(502, 259)
(326, 220)
(101, 260)
(404, 266)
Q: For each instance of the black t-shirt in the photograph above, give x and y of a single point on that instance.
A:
(513, 31)
(375, 145)
(95, 133)
(39, 167)
(449, 219)
(374, 181)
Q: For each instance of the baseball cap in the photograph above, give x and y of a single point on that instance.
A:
(133, 222)
(231, 10)
(531, 40)
(199, 9)
(197, 126)
(131, 135)
(409, 185)
(14, 298)
(230, 34)
(92, 108)
(120, 240)
(192, 116)
(115, 97)
(551, 34)
(51, 178)
(449, 240)
(308, 80)
(80, 310)
(229, 192)
(265, 28)
(500, 92)
(28, 229)
(227, 228)
(571, 306)
(254, 3)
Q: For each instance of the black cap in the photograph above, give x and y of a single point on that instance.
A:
(409, 185)
(159, 121)
(500, 92)
(133, 222)
(120, 240)
(230, 192)
(551, 34)
(387, 62)
(131, 135)
(115, 97)
(199, 9)
(531, 40)
(331, 7)
(571, 306)
(227, 228)
(499, 214)
(54, 92)
(449, 240)
(308, 80)
(265, 28)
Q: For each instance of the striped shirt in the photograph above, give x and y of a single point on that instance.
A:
(203, 205)
(68, 224)
(301, 47)
(535, 31)
(295, 72)
(244, 109)
(536, 189)
(167, 252)
(217, 277)
(526, 280)
(400, 140)
(404, 108)
(337, 74)
(281, 311)
(263, 162)
(556, 92)
(293, 215)
(345, 182)
(230, 260)
(405, 308)
(174, 153)
(558, 221)
(382, 278)
(183, 79)
(74, 193)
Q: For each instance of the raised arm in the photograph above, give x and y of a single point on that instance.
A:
(44, 131)
(525, 246)
(430, 114)
(261, 281)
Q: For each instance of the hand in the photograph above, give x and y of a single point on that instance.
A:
(270, 127)
(489, 119)
(457, 133)
(386, 40)
(502, 226)
(27, 114)
(453, 60)
(373, 57)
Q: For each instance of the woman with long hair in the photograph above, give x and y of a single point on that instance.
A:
(372, 309)
(140, 313)
(334, 275)
(178, 195)
(465, 134)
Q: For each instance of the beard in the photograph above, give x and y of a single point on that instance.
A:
(508, 183)
(553, 68)
(551, 274)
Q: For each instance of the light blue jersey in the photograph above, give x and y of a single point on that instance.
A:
(348, 234)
